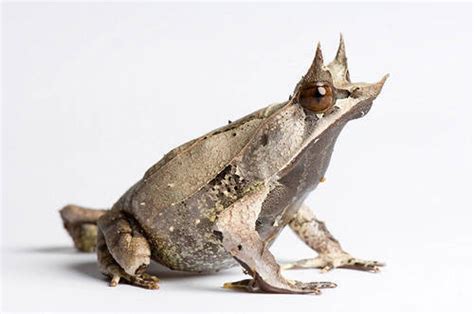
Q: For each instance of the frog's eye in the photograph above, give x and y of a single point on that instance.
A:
(318, 97)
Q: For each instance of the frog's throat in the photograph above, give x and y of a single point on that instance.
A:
(344, 110)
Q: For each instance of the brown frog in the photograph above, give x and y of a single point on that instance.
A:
(223, 198)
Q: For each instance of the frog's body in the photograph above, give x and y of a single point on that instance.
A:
(180, 224)
(196, 208)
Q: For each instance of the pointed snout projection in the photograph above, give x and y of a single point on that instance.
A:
(336, 73)
(368, 90)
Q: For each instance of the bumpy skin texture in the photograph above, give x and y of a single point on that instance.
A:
(223, 198)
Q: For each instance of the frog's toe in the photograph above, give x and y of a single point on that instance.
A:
(246, 284)
(143, 280)
(329, 262)
(316, 285)
(251, 285)
(360, 264)
(114, 281)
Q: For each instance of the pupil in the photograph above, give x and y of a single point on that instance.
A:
(320, 91)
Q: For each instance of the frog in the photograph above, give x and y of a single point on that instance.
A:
(222, 199)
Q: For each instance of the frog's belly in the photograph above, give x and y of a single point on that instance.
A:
(191, 245)
(193, 251)
(183, 239)
(204, 260)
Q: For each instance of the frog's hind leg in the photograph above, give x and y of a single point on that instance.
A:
(331, 255)
(81, 224)
(123, 252)
(235, 226)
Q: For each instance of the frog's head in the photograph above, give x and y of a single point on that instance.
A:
(328, 91)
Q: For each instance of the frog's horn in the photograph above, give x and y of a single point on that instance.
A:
(341, 57)
(317, 71)
(338, 66)
(318, 61)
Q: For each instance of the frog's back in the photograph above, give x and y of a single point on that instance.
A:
(187, 168)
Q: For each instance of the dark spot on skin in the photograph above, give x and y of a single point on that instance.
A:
(234, 134)
(331, 110)
(218, 235)
(239, 247)
(141, 269)
(264, 140)
(221, 175)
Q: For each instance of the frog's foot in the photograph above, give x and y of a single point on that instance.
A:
(327, 262)
(251, 285)
(143, 280)
(331, 255)
(123, 252)
(112, 269)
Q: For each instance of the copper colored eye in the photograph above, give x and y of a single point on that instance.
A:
(318, 97)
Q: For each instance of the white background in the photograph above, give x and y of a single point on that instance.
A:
(95, 94)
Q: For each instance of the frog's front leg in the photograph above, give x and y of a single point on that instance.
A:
(331, 255)
(123, 252)
(236, 227)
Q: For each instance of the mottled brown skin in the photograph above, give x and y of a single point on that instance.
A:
(223, 198)
(81, 226)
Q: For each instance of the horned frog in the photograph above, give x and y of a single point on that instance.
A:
(223, 198)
